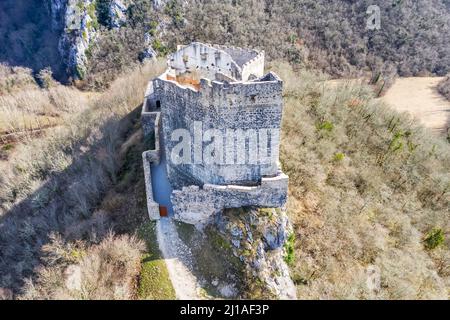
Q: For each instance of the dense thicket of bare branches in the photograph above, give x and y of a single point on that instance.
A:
(331, 35)
(444, 87)
(320, 34)
(62, 194)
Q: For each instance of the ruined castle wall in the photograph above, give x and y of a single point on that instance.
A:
(151, 125)
(152, 206)
(196, 205)
(254, 67)
(205, 60)
(251, 62)
(221, 106)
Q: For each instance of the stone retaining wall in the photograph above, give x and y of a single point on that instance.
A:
(197, 205)
(152, 206)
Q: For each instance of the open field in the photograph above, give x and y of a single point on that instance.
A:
(419, 96)
(416, 95)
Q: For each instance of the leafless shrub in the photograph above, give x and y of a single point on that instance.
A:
(26, 107)
(444, 87)
(45, 78)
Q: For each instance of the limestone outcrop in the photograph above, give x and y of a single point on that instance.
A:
(257, 237)
(79, 27)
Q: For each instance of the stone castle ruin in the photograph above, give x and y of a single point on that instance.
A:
(214, 119)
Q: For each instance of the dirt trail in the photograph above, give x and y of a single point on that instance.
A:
(418, 96)
(178, 258)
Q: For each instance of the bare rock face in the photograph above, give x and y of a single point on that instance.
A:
(77, 21)
(80, 31)
(117, 12)
(57, 9)
(258, 238)
(149, 53)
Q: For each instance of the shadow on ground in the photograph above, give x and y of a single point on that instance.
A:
(65, 204)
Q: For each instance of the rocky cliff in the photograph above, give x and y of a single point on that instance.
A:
(260, 238)
(81, 22)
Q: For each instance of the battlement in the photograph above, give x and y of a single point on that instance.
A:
(266, 90)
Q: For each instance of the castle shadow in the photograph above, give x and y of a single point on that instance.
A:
(63, 205)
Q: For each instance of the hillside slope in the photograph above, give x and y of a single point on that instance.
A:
(369, 195)
(95, 38)
(369, 200)
(330, 35)
(73, 202)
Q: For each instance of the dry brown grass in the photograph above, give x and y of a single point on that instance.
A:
(106, 271)
(368, 211)
(25, 108)
(55, 186)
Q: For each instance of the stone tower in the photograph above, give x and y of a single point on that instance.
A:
(217, 118)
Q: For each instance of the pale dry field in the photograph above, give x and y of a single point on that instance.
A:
(418, 96)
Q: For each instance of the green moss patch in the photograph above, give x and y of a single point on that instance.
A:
(154, 282)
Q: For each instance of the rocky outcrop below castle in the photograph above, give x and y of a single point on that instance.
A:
(259, 238)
